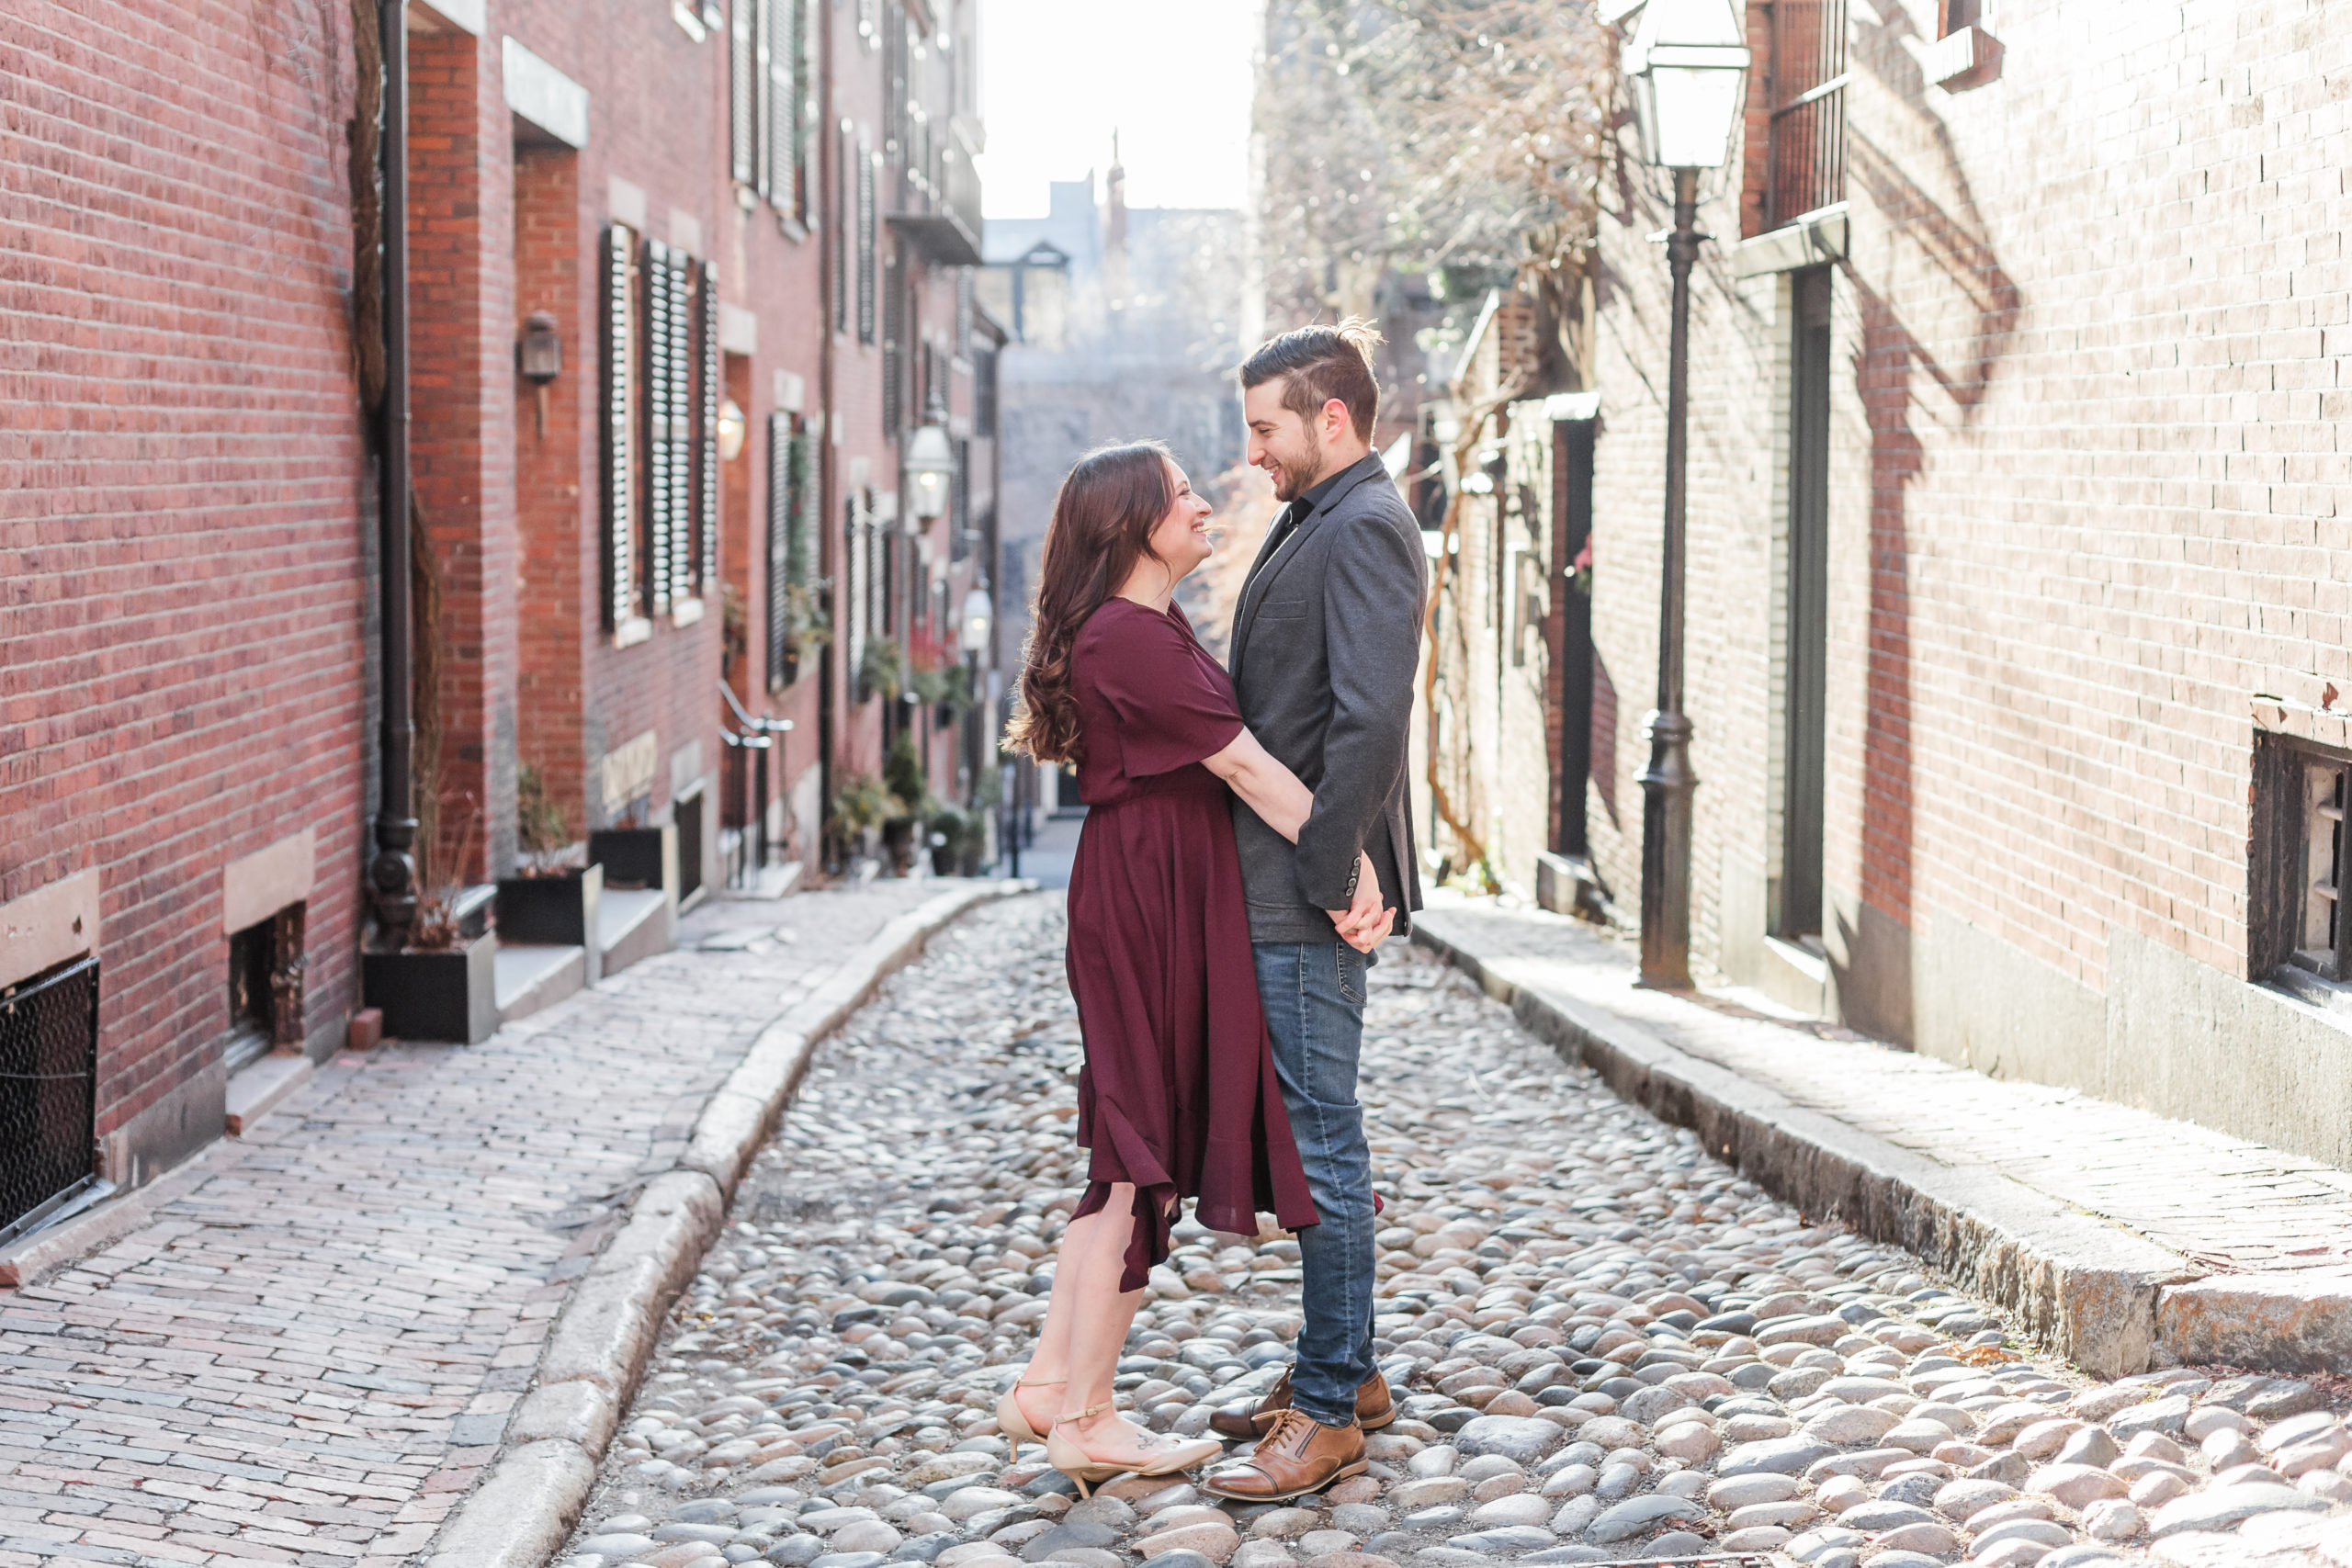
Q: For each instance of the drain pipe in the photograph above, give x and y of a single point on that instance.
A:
(391, 874)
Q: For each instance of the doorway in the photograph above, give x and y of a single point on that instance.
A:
(1796, 912)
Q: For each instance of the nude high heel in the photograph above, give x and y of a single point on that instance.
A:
(1067, 1455)
(1013, 1424)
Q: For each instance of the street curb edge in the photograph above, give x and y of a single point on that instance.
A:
(532, 1493)
(2086, 1288)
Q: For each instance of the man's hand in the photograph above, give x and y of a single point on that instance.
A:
(1365, 923)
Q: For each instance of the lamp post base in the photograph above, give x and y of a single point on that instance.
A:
(1666, 785)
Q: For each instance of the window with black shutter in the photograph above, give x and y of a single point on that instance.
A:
(868, 238)
(857, 573)
(624, 613)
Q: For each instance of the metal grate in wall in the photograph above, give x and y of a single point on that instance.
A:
(1808, 96)
(49, 1077)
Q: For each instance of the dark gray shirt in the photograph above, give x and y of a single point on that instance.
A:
(1326, 641)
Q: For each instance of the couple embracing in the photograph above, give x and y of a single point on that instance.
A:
(1247, 847)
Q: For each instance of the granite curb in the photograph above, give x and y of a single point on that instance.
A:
(526, 1503)
(2088, 1289)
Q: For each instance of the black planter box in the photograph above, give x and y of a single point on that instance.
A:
(559, 910)
(637, 857)
(449, 995)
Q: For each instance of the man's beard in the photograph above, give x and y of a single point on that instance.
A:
(1296, 483)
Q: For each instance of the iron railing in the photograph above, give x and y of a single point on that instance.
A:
(49, 1102)
(744, 808)
(1808, 94)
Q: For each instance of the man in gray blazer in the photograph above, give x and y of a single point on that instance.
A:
(1326, 640)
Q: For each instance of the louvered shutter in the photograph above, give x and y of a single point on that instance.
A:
(781, 497)
(783, 103)
(619, 443)
(743, 73)
(868, 238)
(804, 111)
(669, 456)
(707, 437)
(894, 356)
(854, 562)
(845, 207)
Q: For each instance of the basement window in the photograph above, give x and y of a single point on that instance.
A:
(265, 987)
(2298, 935)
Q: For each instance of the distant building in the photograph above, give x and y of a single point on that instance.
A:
(1125, 323)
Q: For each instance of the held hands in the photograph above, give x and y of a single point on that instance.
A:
(1365, 924)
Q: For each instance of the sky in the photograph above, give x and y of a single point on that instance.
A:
(1172, 77)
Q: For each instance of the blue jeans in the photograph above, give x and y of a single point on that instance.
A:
(1313, 999)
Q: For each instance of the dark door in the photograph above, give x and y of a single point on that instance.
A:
(1798, 917)
(1572, 657)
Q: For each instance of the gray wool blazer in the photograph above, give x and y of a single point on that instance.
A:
(1326, 640)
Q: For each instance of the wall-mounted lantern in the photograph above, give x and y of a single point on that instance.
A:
(732, 430)
(539, 358)
(931, 466)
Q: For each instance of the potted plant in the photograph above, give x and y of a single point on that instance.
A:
(634, 856)
(442, 984)
(902, 777)
(552, 898)
(957, 838)
(881, 671)
(858, 807)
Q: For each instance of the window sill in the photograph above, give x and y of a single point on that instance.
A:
(1967, 58)
(631, 632)
(2333, 997)
(1817, 238)
(686, 612)
(689, 23)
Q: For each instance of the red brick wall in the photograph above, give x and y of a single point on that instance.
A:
(462, 442)
(182, 578)
(555, 488)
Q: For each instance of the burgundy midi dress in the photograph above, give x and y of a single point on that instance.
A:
(1178, 1094)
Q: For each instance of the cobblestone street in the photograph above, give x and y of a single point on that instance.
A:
(1607, 1344)
(308, 1356)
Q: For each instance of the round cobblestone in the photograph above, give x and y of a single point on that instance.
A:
(1602, 1341)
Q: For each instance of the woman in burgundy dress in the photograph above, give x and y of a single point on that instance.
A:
(1179, 1097)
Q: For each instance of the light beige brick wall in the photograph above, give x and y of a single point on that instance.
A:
(2087, 493)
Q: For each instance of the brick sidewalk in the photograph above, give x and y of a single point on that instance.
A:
(2224, 1203)
(308, 1356)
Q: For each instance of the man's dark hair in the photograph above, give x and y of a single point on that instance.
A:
(1317, 364)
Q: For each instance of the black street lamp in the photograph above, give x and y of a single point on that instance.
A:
(1688, 61)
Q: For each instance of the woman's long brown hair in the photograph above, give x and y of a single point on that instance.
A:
(1108, 505)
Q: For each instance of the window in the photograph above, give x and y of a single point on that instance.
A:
(1808, 133)
(266, 986)
(2320, 928)
(1959, 13)
(661, 432)
(2296, 927)
(770, 70)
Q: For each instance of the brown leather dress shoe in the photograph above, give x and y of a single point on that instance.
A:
(1374, 1409)
(1297, 1455)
